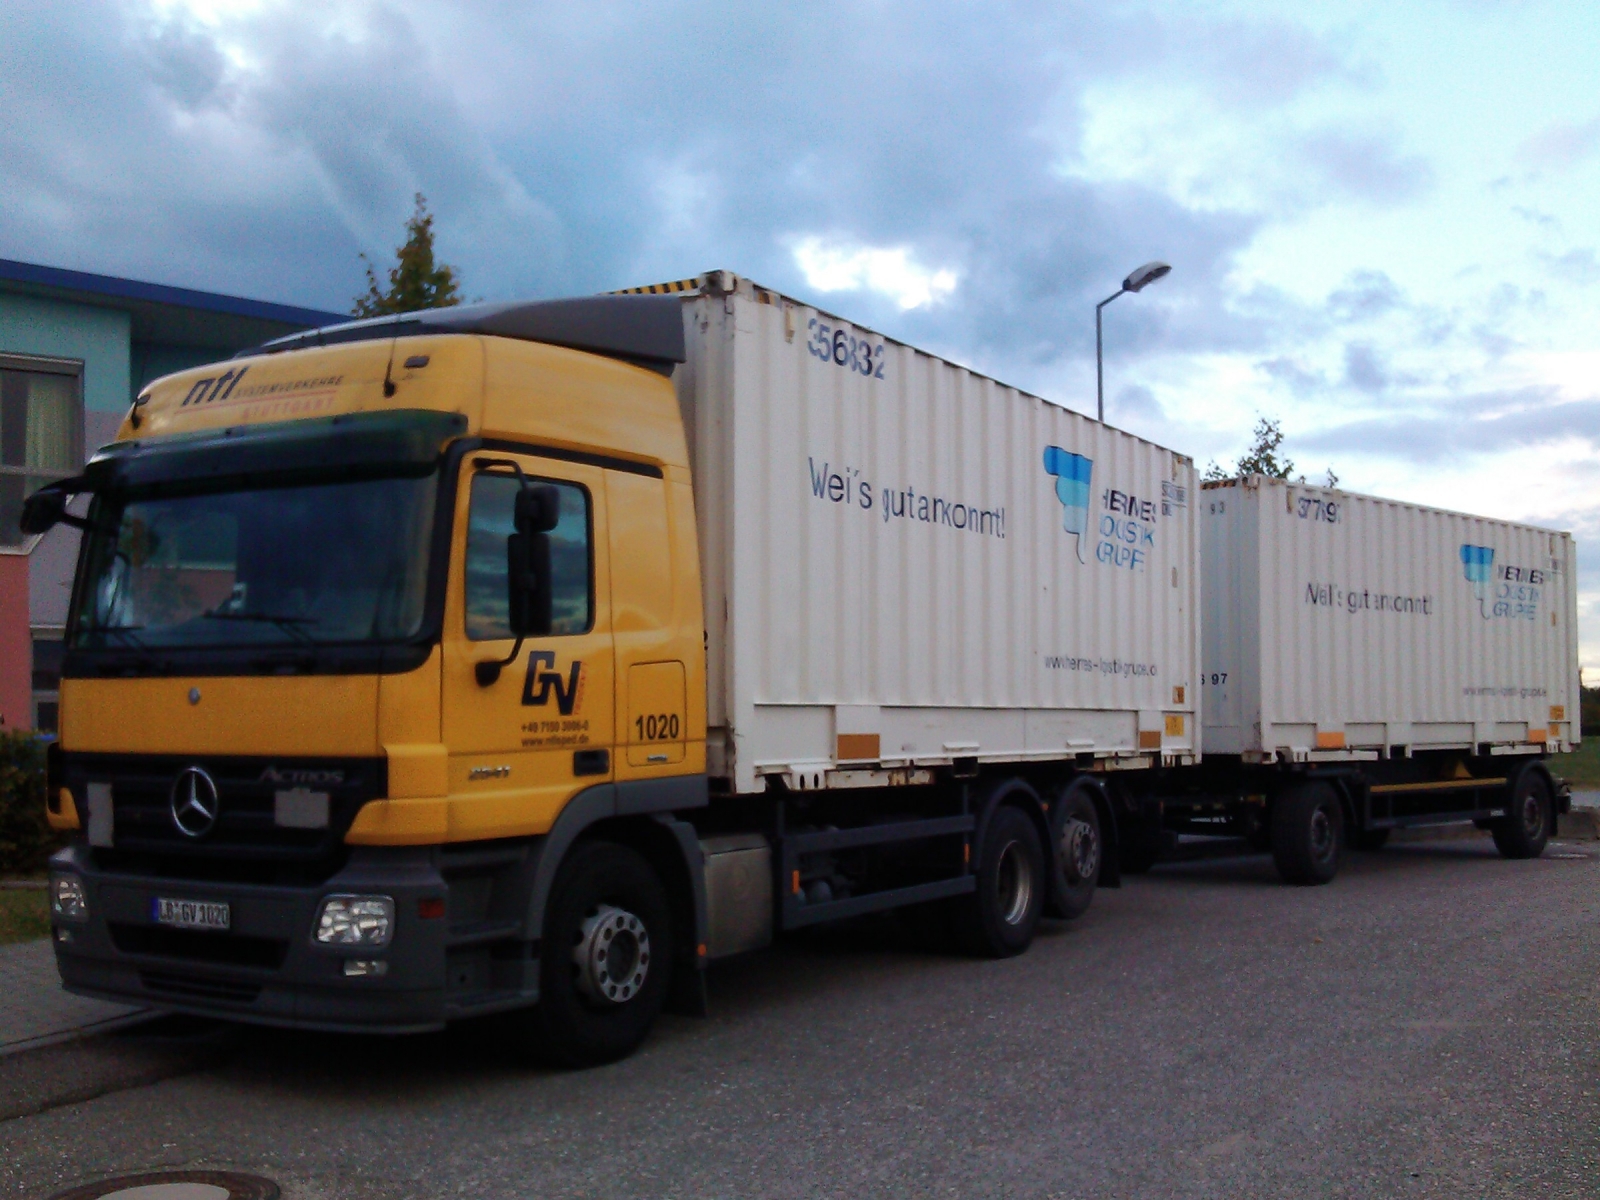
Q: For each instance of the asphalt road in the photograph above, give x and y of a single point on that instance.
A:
(1429, 1025)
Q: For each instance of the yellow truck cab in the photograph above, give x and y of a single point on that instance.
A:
(325, 752)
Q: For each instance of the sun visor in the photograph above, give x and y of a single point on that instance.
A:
(644, 330)
(354, 445)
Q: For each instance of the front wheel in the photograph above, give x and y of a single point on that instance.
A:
(1308, 834)
(606, 957)
(1526, 830)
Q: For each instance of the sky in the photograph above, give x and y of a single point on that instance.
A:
(1382, 218)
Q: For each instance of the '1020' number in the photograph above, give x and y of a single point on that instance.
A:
(657, 728)
(842, 350)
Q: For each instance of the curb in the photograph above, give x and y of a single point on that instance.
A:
(154, 1048)
(93, 1029)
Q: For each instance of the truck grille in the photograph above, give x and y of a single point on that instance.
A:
(228, 948)
(197, 987)
(245, 832)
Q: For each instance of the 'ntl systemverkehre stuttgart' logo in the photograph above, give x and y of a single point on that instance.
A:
(1072, 472)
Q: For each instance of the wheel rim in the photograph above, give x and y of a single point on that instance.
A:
(1014, 884)
(612, 955)
(1322, 835)
(1080, 850)
(1532, 814)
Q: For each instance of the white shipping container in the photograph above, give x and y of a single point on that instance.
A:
(1338, 625)
(908, 564)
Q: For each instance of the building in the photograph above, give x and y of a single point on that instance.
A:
(75, 349)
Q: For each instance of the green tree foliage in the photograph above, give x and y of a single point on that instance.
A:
(417, 280)
(26, 840)
(1265, 457)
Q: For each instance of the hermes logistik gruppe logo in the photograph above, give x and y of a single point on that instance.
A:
(1124, 535)
(1505, 592)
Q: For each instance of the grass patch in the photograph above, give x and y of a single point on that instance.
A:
(24, 915)
(1582, 767)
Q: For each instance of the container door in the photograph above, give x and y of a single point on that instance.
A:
(522, 745)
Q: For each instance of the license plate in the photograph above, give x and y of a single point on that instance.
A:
(190, 914)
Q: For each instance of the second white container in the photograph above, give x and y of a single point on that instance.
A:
(1339, 625)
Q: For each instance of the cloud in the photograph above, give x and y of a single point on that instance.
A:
(1367, 167)
(1293, 373)
(1363, 296)
(1482, 423)
(1575, 266)
(1560, 144)
(891, 271)
(1364, 369)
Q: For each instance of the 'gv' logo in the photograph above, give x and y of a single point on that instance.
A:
(1072, 472)
(539, 684)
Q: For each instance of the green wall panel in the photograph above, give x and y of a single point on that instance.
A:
(101, 337)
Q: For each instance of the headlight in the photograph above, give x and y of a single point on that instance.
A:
(68, 900)
(356, 920)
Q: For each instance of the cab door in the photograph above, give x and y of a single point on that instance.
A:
(524, 744)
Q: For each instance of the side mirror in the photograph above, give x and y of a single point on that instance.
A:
(538, 509)
(536, 512)
(42, 511)
(528, 577)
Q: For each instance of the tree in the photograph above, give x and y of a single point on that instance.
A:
(416, 281)
(1262, 458)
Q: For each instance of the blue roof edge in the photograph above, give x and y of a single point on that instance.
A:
(160, 293)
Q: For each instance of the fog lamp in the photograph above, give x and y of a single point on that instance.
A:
(356, 920)
(68, 900)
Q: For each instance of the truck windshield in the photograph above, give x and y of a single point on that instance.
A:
(308, 565)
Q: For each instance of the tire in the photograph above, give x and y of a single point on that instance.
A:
(1308, 834)
(1526, 831)
(1372, 840)
(1000, 918)
(1077, 852)
(575, 1024)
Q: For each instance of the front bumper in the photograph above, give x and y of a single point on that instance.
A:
(267, 968)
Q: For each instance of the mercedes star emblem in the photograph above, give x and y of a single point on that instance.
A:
(194, 802)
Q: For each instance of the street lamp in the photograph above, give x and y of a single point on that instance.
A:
(1136, 282)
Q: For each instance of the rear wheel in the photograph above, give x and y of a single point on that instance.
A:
(1307, 834)
(1077, 851)
(606, 958)
(1524, 833)
(999, 919)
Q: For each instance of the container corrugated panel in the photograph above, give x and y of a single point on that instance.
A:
(1337, 624)
(907, 563)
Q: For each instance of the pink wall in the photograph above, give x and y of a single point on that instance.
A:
(16, 644)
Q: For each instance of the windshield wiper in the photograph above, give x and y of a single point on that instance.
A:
(289, 625)
(125, 632)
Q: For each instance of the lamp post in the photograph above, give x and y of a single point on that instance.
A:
(1136, 282)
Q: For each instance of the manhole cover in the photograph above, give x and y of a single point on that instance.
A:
(176, 1185)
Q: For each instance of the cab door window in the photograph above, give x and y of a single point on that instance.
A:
(490, 522)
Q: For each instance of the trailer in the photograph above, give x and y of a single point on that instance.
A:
(1372, 665)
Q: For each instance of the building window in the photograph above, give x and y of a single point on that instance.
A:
(47, 653)
(41, 430)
